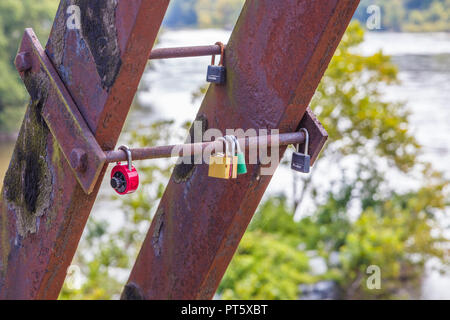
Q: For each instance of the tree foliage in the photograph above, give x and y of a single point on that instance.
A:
(265, 267)
(15, 16)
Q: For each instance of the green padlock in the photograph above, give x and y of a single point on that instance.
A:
(241, 167)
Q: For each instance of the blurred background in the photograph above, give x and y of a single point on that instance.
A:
(372, 219)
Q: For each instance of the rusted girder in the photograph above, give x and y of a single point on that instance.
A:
(43, 209)
(275, 59)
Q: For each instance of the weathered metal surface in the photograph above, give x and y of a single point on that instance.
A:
(275, 59)
(43, 210)
(62, 116)
(184, 52)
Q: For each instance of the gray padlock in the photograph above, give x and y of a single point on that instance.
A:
(217, 74)
(301, 162)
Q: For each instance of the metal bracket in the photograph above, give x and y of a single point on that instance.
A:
(317, 134)
(62, 116)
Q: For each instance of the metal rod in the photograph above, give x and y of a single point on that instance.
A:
(183, 52)
(186, 150)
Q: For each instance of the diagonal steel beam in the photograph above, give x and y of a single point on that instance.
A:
(43, 210)
(275, 59)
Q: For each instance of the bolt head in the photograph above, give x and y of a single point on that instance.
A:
(78, 160)
(23, 61)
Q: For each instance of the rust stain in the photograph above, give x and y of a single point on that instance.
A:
(158, 232)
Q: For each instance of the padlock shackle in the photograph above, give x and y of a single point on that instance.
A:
(238, 145)
(222, 53)
(232, 143)
(225, 141)
(306, 133)
(127, 151)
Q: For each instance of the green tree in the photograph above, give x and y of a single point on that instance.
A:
(396, 230)
(265, 267)
(15, 16)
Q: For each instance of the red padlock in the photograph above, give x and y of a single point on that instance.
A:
(124, 177)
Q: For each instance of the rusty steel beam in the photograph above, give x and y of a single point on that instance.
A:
(43, 209)
(184, 52)
(275, 59)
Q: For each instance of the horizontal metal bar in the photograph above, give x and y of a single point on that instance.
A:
(184, 52)
(186, 150)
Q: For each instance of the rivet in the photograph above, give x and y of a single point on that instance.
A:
(23, 61)
(78, 159)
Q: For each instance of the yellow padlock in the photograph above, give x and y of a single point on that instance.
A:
(220, 164)
(234, 157)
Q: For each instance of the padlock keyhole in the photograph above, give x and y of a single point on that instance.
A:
(118, 182)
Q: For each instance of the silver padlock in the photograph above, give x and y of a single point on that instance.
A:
(301, 162)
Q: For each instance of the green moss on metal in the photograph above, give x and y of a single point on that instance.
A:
(28, 181)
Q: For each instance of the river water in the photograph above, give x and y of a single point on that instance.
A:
(424, 71)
